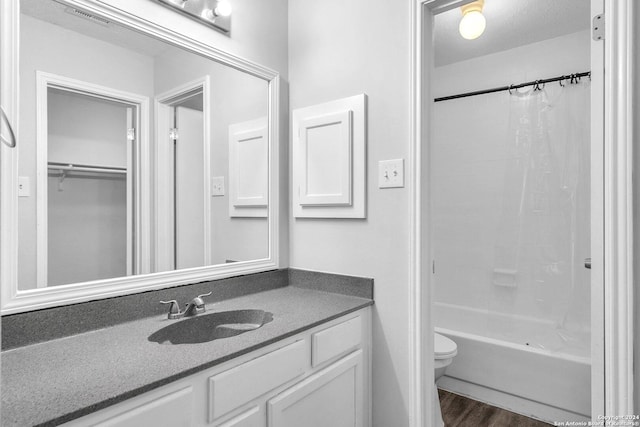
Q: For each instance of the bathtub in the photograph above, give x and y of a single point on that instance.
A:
(514, 368)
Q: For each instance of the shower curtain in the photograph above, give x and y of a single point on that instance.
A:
(543, 233)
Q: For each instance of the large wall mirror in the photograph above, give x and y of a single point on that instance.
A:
(144, 160)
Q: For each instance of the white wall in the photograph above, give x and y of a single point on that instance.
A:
(86, 131)
(258, 28)
(339, 49)
(87, 234)
(189, 178)
(469, 163)
(41, 46)
(235, 97)
(527, 63)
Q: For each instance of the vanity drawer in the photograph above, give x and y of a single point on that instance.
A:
(242, 384)
(335, 340)
(168, 405)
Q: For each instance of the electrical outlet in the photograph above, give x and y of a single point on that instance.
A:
(217, 186)
(391, 173)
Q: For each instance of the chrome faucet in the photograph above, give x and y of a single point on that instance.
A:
(196, 306)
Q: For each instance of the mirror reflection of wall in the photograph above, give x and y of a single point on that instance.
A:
(89, 213)
(188, 183)
(227, 98)
(118, 212)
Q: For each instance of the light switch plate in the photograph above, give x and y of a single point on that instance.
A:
(391, 173)
(217, 186)
(24, 186)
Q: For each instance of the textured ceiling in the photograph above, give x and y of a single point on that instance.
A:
(510, 23)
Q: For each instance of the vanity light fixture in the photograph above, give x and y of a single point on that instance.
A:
(473, 23)
(216, 13)
(222, 9)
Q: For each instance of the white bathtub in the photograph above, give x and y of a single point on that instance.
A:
(544, 379)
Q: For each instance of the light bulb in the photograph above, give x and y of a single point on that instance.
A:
(472, 25)
(208, 14)
(223, 8)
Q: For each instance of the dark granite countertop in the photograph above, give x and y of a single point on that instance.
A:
(55, 381)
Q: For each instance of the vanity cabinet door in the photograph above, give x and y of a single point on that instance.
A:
(332, 397)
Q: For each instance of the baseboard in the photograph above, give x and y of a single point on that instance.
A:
(519, 405)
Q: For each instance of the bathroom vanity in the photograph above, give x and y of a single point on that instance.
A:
(311, 361)
(301, 377)
(83, 276)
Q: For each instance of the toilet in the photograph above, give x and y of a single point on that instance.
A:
(445, 350)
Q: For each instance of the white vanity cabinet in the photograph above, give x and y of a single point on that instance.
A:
(319, 377)
(331, 397)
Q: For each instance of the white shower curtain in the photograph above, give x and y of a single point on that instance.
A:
(543, 233)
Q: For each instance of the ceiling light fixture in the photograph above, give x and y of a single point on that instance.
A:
(473, 23)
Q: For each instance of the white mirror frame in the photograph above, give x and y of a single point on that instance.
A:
(16, 301)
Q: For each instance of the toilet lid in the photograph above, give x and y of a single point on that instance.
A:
(444, 348)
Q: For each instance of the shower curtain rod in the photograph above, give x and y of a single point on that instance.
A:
(573, 77)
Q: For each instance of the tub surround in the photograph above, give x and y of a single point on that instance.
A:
(51, 382)
(551, 382)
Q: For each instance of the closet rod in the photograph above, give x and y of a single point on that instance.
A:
(573, 78)
(85, 168)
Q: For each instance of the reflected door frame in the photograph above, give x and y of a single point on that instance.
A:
(164, 195)
(612, 214)
(138, 193)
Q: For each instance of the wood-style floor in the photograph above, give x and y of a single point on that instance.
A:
(460, 411)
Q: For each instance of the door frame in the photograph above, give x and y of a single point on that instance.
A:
(620, 49)
(139, 217)
(163, 103)
(612, 373)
